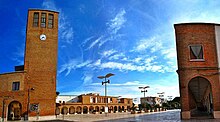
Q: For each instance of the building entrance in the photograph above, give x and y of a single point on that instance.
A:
(14, 111)
(200, 91)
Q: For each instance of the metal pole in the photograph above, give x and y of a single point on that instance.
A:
(3, 110)
(106, 97)
(144, 93)
(28, 104)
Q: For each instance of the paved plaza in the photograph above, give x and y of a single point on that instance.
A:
(165, 116)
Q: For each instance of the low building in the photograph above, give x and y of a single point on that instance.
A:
(151, 101)
(93, 103)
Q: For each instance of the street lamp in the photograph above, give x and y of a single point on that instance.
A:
(144, 89)
(28, 104)
(105, 82)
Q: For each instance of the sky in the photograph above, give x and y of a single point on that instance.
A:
(133, 39)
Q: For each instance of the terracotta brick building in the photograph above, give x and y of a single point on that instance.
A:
(31, 89)
(93, 103)
(198, 54)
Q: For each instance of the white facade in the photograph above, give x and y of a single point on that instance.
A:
(66, 98)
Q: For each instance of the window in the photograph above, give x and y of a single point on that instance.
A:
(15, 86)
(43, 20)
(196, 52)
(35, 19)
(50, 21)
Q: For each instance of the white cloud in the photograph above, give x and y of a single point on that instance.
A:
(169, 53)
(153, 44)
(86, 40)
(49, 5)
(117, 56)
(87, 78)
(71, 65)
(19, 55)
(94, 43)
(108, 53)
(130, 89)
(131, 67)
(116, 23)
(65, 29)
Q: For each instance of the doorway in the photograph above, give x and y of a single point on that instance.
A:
(14, 110)
(200, 99)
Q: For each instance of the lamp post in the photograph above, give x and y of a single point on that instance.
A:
(105, 82)
(144, 89)
(28, 104)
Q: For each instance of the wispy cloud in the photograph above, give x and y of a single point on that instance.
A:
(153, 44)
(66, 31)
(18, 56)
(116, 23)
(129, 89)
(108, 53)
(87, 78)
(117, 56)
(132, 67)
(71, 65)
(95, 42)
(113, 26)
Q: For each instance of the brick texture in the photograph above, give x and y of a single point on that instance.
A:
(40, 68)
(196, 33)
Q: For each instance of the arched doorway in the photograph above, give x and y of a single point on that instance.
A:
(110, 109)
(79, 110)
(14, 110)
(71, 110)
(102, 109)
(91, 109)
(200, 97)
(115, 109)
(85, 110)
(64, 110)
(97, 109)
(119, 109)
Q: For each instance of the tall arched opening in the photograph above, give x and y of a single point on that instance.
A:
(200, 98)
(14, 110)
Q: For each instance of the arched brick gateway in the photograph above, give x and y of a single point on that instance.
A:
(201, 93)
(14, 110)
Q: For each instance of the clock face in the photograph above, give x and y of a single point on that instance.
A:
(43, 37)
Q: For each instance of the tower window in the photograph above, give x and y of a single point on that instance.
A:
(43, 20)
(50, 21)
(15, 86)
(36, 19)
(196, 52)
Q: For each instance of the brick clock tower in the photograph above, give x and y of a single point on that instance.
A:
(40, 64)
(198, 55)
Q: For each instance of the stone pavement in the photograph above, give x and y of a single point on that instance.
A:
(164, 116)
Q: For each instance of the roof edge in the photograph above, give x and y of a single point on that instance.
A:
(35, 9)
(196, 23)
(12, 72)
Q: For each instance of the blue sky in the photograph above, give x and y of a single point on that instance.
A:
(134, 39)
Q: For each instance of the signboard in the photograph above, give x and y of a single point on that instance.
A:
(34, 107)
